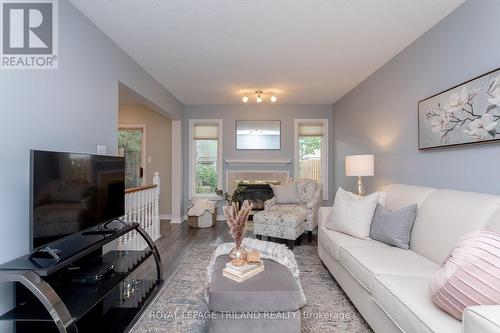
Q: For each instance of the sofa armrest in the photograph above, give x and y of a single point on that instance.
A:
(324, 214)
(481, 319)
(269, 203)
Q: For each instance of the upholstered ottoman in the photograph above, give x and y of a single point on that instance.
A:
(283, 224)
(267, 302)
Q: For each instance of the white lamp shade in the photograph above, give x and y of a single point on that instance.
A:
(359, 165)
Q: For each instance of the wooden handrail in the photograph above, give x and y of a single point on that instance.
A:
(140, 188)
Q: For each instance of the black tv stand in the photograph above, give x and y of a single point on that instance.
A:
(50, 298)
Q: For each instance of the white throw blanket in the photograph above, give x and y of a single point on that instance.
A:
(200, 206)
(268, 250)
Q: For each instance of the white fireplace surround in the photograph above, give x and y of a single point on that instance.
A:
(232, 176)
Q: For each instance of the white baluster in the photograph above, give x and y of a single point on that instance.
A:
(156, 206)
(142, 207)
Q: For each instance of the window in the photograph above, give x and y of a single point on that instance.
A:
(205, 157)
(311, 151)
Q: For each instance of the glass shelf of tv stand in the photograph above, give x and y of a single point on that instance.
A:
(124, 302)
(72, 248)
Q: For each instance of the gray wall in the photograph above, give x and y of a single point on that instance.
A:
(73, 108)
(230, 113)
(379, 116)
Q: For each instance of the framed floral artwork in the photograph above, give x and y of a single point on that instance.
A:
(465, 114)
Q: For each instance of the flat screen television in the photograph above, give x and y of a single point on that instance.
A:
(71, 192)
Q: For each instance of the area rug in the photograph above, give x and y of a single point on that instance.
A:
(181, 307)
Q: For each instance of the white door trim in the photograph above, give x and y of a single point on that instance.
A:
(176, 216)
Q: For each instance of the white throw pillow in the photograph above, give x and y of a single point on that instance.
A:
(353, 215)
(286, 194)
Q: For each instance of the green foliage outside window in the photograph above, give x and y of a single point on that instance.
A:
(206, 178)
(309, 145)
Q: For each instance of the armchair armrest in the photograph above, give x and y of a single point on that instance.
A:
(481, 319)
(269, 203)
(314, 202)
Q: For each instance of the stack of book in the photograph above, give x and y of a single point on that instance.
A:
(244, 272)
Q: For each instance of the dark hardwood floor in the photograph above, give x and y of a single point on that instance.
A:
(178, 239)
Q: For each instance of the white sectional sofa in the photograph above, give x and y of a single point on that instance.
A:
(390, 286)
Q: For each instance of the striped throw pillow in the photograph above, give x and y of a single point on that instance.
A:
(470, 275)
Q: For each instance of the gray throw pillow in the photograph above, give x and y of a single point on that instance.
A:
(393, 228)
(286, 194)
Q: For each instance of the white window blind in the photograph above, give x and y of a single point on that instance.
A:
(206, 132)
(310, 129)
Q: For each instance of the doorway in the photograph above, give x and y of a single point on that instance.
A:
(132, 146)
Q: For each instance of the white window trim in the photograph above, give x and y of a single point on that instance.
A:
(324, 151)
(192, 181)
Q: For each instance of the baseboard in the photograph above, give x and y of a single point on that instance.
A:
(165, 217)
(177, 220)
(221, 218)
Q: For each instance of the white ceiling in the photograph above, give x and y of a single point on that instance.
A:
(209, 52)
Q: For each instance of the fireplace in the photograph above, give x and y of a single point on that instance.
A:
(257, 192)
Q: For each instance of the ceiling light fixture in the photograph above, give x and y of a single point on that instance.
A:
(259, 96)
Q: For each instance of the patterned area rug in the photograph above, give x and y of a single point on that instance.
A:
(181, 306)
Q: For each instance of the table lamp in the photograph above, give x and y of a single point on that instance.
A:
(359, 166)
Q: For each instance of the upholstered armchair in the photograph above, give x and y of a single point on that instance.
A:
(310, 195)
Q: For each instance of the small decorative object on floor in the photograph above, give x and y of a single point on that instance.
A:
(236, 220)
(202, 214)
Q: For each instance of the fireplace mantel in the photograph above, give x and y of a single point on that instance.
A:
(258, 162)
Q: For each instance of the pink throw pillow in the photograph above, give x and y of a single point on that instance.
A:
(470, 275)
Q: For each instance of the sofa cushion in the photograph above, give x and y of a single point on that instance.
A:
(482, 319)
(447, 215)
(407, 301)
(400, 195)
(364, 263)
(334, 241)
